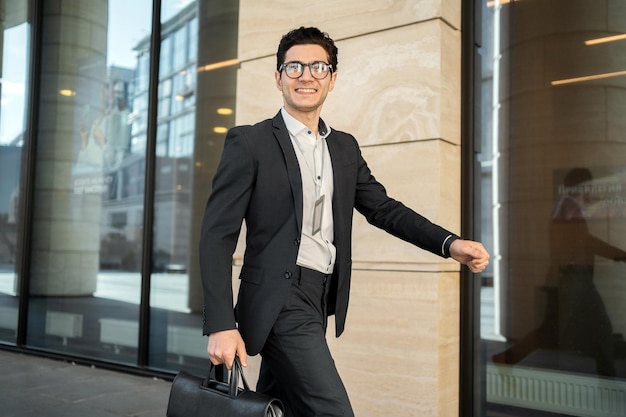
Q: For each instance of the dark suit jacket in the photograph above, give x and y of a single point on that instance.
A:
(258, 180)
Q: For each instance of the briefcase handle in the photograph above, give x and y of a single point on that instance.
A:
(233, 382)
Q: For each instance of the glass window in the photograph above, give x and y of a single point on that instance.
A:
(162, 139)
(183, 97)
(180, 43)
(193, 40)
(165, 96)
(14, 53)
(88, 203)
(143, 65)
(553, 310)
(183, 172)
(138, 119)
(165, 62)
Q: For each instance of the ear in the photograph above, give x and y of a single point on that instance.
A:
(333, 78)
(279, 81)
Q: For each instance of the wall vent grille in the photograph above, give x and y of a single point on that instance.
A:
(555, 391)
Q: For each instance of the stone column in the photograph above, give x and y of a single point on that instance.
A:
(398, 91)
(68, 183)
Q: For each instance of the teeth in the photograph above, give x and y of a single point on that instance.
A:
(307, 90)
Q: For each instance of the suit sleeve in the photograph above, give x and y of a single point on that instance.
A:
(384, 212)
(221, 225)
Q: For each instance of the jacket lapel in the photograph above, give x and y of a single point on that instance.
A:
(291, 162)
(334, 151)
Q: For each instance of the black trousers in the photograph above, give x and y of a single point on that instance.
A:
(296, 365)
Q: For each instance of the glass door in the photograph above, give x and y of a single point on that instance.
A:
(197, 86)
(553, 316)
(87, 245)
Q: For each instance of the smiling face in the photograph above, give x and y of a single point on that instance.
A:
(303, 97)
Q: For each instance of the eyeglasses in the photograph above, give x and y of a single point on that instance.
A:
(294, 69)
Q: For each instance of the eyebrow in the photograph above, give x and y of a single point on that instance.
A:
(305, 63)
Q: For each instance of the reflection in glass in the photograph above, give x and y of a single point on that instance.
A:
(186, 145)
(14, 52)
(553, 316)
(88, 204)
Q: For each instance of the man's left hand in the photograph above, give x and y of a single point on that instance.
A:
(470, 253)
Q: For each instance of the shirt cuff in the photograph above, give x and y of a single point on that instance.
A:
(445, 246)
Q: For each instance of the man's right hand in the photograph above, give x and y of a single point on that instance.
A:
(224, 345)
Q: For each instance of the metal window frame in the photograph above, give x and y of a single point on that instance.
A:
(28, 171)
(470, 388)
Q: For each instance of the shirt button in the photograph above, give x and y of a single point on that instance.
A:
(287, 274)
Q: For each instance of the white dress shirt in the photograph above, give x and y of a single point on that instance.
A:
(316, 243)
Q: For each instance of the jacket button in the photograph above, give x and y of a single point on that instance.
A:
(288, 275)
(296, 242)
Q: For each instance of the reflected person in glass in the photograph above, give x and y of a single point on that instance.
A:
(584, 324)
(295, 182)
(575, 318)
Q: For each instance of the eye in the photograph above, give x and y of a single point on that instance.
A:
(319, 67)
(293, 67)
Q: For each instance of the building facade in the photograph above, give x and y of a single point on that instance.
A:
(500, 120)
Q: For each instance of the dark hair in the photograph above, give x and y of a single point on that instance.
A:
(307, 36)
(577, 176)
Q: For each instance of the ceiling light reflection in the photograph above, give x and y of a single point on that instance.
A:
(605, 39)
(492, 3)
(222, 64)
(224, 111)
(588, 78)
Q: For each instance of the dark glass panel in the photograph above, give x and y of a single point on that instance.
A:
(554, 174)
(202, 33)
(88, 205)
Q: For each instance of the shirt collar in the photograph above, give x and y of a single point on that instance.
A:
(295, 126)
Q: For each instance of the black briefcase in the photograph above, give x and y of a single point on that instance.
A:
(193, 396)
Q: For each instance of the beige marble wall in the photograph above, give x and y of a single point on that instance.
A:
(399, 354)
(398, 92)
(262, 23)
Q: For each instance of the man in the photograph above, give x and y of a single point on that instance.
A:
(295, 182)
